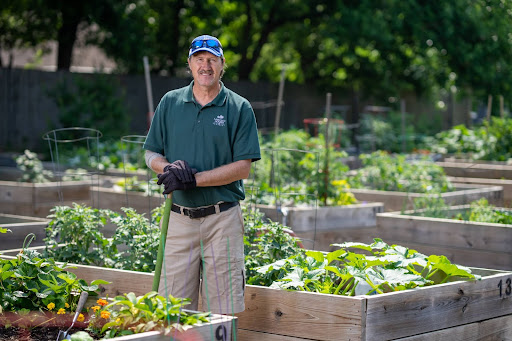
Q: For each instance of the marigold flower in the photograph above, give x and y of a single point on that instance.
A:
(61, 311)
(50, 306)
(102, 302)
(96, 308)
(66, 305)
(80, 318)
(105, 314)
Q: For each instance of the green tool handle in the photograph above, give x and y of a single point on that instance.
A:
(161, 247)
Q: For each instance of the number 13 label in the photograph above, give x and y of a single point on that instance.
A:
(505, 289)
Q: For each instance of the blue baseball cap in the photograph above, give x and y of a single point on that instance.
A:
(206, 43)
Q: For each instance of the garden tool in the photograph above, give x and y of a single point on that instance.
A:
(81, 302)
(163, 237)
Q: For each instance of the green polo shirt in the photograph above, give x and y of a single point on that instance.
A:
(221, 132)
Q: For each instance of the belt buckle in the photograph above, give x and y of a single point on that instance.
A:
(195, 213)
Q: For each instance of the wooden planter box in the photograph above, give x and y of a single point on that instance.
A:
(506, 184)
(461, 310)
(467, 243)
(38, 199)
(140, 283)
(20, 227)
(108, 198)
(476, 169)
(398, 201)
(327, 225)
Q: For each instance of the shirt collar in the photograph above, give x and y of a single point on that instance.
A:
(217, 101)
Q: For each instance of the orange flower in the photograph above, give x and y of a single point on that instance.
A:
(105, 314)
(102, 302)
(96, 308)
(50, 306)
(80, 318)
(61, 311)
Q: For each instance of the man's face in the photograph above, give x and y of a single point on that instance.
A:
(206, 68)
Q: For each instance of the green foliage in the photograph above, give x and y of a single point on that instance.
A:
(133, 246)
(479, 211)
(387, 268)
(488, 141)
(385, 172)
(92, 102)
(130, 314)
(385, 133)
(292, 168)
(264, 243)
(32, 283)
(32, 168)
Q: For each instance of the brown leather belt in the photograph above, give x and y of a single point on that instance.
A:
(194, 213)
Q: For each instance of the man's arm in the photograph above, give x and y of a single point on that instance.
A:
(224, 175)
(219, 176)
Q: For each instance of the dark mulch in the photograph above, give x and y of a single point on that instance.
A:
(34, 334)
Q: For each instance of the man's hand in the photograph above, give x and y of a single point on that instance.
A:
(177, 176)
(182, 170)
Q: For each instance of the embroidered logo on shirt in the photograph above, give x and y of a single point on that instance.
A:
(219, 121)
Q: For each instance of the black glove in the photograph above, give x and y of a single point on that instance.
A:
(173, 177)
(170, 182)
(182, 170)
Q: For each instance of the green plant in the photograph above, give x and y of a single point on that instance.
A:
(131, 314)
(32, 168)
(385, 172)
(32, 283)
(264, 243)
(75, 235)
(387, 268)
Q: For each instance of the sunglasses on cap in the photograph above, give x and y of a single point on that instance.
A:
(205, 43)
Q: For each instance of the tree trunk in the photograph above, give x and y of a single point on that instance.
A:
(66, 38)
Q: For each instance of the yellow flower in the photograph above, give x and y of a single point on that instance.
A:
(96, 308)
(61, 311)
(50, 306)
(102, 302)
(80, 318)
(105, 314)
(118, 320)
(66, 305)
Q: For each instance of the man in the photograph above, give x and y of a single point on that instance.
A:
(202, 141)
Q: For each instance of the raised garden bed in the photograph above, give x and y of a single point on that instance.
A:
(326, 225)
(221, 327)
(505, 183)
(109, 198)
(20, 227)
(36, 199)
(457, 309)
(476, 169)
(464, 193)
(463, 242)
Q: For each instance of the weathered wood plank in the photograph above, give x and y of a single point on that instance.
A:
(449, 232)
(426, 309)
(303, 314)
(499, 329)
(251, 335)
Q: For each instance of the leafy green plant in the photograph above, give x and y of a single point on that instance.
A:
(264, 243)
(131, 314)
(30, 282)
(488, 141)
(385, 172)
(75, 235)
(387, 268)
(32, 168)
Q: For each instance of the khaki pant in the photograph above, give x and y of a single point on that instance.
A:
(219, 261)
